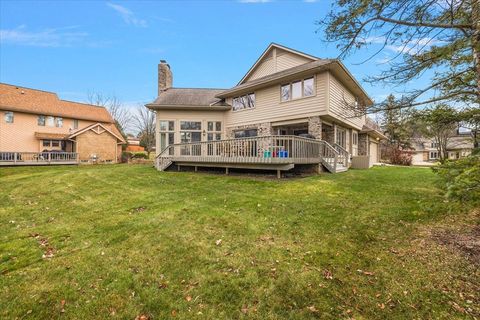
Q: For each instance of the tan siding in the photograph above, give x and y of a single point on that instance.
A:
(268, 107)
(279, 61)
(287, 60)
(266, 67)
(340, 100)
(19, 136)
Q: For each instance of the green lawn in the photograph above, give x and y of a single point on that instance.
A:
(128, 240)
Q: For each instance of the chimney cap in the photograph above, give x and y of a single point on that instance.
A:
(163, 61)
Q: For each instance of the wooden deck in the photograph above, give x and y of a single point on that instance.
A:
(37, 158)
(279, 153)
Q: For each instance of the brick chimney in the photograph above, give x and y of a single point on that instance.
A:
(165, 77)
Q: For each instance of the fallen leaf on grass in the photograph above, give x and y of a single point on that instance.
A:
(327, 274)
(188, 298)
(142, 317)
(312, 309)
(218, 242)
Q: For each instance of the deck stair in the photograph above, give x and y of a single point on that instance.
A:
(279, 153)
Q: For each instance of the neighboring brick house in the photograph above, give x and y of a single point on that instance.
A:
(133, 145)
(38, 121)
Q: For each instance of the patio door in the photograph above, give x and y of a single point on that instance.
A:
(341, 138)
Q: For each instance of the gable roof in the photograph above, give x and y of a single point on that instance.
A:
(267, 51)
(108, 128)
(188, 97)
(27, 100)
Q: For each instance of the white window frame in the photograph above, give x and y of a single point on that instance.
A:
(184, 131)
(245, 102)
(215, 133)
(166, 133)
(9, 117)
(302, 89)
(431, 153)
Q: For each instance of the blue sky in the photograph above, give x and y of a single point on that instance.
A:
(113, 47)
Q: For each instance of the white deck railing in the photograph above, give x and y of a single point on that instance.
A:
(253, 150)
(33, 158)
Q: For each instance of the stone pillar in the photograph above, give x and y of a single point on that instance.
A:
(363, 144)
(264, 129)
(315, 127)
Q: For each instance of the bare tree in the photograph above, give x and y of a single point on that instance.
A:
(144, 123)
(428, 35)
(119, 112)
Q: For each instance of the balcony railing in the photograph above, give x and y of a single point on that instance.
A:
(253, 150)
(38, 158)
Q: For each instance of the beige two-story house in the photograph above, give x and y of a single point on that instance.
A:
(290, 108)
(36, 127)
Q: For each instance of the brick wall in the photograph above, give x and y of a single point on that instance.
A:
(104, 145)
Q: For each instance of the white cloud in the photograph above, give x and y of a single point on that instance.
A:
(51, 37)
(414, 46)
(127, 15)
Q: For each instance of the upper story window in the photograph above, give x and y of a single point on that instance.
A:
(244, 102)
(50, 121)
(297, 89)
(75, 124)
(58, 122)
(41, 121)
(434, 145)
(9, 117)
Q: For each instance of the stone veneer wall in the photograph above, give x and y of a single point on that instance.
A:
(328, 134)
(362, 144)
(264, 129)
(315, 127)
(104, 145)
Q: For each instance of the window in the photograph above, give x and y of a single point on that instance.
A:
(9, 117)
(75, 124)
(46, 143)
(298, 89)
(434, 145)
(286, 92)
(244, 102)
(191, 131)
(190, 125)
(59, 122)
(355, 138)
(214, 130)
(245, 133)
(41, 121)
(433, 154)
(167, 135)
(50, 121)
(341, 137)
(55, 143)
(308, 87)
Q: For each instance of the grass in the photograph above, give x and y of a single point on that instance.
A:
(128, 240)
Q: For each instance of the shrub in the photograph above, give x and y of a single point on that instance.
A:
(139, 155)
(461, 178)
(400, 157)
(126, 156)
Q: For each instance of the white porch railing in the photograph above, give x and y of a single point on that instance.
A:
(253, 150)
(34, 158)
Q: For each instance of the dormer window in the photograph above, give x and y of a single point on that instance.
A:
(298, 89)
